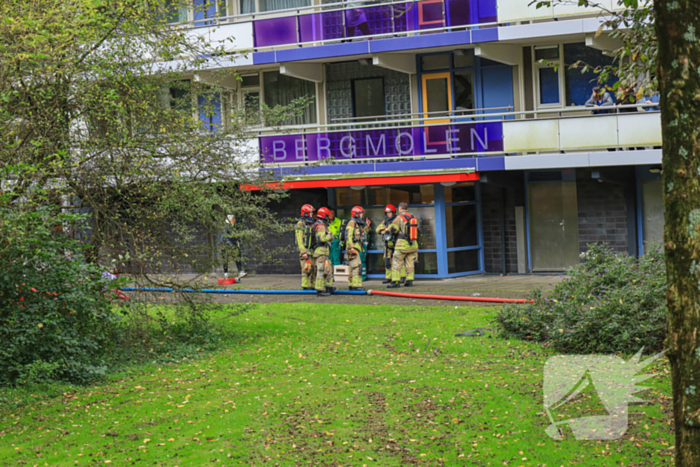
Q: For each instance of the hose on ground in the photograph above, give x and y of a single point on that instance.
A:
(449, 297)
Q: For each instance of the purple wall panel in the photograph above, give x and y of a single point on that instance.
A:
(275, 31)
(437, 140)
(284, 148)
(460, 12)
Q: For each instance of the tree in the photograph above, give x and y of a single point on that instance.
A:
(679, 87)
(661, 51)
(107, 108)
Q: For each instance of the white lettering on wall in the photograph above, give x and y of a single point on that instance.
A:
(351, 146)
(484, 142)
(380, 145)
(299, 147)
(398, 144)
(278, 147)
(450, 137)
(425, 143)
(326, 146)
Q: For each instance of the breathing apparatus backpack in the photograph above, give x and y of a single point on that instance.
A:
(342, 237)
(310, 236)
(412, 230)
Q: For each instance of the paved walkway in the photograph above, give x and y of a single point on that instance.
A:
(515, 286)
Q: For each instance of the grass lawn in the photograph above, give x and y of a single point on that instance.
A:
(333, 385)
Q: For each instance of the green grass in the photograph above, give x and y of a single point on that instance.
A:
(331, 385)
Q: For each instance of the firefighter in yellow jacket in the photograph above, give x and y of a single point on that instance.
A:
(389, 243)
(355, 241)
(302, 232)
(406, 252)
(322, 248)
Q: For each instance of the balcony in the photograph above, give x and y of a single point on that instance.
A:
(335, 23)
(458, 140)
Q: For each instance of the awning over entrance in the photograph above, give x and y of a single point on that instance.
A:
(353, 182)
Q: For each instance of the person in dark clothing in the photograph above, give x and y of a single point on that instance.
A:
(231, 247)
(600, 98)
(629, 98)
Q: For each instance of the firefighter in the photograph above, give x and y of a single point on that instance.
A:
(389, 243)
(406, 250)
(355, 245)
(334, 226)
(303, 231)
(324, 269)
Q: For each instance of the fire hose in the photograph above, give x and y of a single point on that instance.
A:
(337, 292)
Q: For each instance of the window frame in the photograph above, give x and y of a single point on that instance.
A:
(354, 95)
(536, 67)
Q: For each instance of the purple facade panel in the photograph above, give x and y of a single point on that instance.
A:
(459, 12)
(275, 31)
(282, 149)
(432, 141)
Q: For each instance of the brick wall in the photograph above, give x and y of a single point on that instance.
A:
(287, 262)
(602, 213)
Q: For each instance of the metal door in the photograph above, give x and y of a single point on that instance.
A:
(553, 213)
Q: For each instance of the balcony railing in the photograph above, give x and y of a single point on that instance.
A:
(483, 132)
(335, 22)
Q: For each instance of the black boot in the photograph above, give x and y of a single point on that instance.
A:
(323, 293)
(308, 288)
(408, 284)
(393, 285)
(356, 288)
(386, 281)
(330, 289)
(403, 280)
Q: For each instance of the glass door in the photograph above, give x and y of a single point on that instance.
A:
(437, 103)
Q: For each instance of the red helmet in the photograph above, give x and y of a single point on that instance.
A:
(390, 207)
(356, 211)
(323, 213)
(307, 210)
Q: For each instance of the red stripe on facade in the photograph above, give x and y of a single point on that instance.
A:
(373, 181)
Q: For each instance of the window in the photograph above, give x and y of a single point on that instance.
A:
(464, 90)
(205, 11)
(547, 53)
(435, 62)
(464, 58)
(175, 11)
(368, 97)
(579, 85)
(254, 6)
(548, 86)
(279, 89)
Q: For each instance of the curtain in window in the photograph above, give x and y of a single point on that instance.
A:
(271, 5)
(247, 6)
(280, 89)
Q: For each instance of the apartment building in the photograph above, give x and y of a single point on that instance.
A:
(465, 109)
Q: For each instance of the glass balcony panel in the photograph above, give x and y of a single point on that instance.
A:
(275, 31)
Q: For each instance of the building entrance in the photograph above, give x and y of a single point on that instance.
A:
(553, 216)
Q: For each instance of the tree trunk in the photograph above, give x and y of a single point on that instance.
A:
(679, 83)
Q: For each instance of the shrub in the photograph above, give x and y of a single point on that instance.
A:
(56, 314)
(609, 303)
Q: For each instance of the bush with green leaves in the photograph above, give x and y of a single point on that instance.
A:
(608, 303)
(56, 310)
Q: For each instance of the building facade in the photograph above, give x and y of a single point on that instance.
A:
(467, 110)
